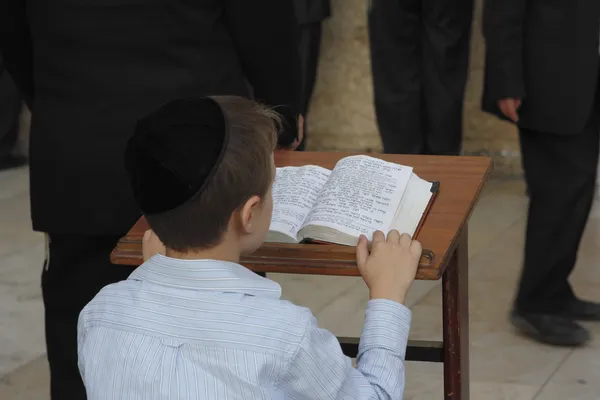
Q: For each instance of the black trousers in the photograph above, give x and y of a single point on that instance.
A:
(10, 109)
(76, 268)
(560, 171)
(309, 48)
(419, 58)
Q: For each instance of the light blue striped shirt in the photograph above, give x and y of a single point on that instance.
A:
(205, 329)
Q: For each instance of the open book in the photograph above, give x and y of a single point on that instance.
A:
(360, 195)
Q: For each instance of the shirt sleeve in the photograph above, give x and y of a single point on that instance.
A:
(320, 370)
(265, 34)
(80, 339)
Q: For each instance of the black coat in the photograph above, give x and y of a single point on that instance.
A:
(312, 11)
(99, 65)
(545, 52)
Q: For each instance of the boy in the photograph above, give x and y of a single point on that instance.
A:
(194, 324)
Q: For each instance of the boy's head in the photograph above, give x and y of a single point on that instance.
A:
(202, 169)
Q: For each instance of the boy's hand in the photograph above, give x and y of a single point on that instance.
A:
(390, 268)
(151, 245)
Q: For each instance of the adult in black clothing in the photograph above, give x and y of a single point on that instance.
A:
(420, 58)
(89, 70)
(10, 110)
(310, 15)
(542, 67)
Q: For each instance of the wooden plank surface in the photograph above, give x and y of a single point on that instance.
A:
(461, 181)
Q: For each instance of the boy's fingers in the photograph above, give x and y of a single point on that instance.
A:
(147, 235)
(405, 240)
(393, 236)
(416, 247)
(362, 251)
(378, 237)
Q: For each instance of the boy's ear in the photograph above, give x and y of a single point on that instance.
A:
(247, 213)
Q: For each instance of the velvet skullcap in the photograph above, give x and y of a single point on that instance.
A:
(174, 152)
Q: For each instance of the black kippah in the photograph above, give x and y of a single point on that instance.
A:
(174, 152)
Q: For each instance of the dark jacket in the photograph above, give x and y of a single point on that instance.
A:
(545, 52)
(15, 46)
(311, 11)
(100, 65)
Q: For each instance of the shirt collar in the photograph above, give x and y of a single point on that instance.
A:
(205, 275)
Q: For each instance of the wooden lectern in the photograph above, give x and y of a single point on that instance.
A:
(444, 232)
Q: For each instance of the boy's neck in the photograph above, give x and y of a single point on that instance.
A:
(221, 252)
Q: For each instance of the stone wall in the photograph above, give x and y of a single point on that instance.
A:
(342, 115)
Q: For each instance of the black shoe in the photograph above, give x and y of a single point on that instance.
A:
(556, 330)
(12, 161)
(581, 310)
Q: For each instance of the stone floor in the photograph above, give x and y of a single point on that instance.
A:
(503, 365)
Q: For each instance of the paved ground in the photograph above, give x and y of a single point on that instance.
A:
(503, 366)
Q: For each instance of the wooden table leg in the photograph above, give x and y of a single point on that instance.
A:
(455, 297)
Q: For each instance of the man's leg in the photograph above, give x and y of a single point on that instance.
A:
(395, 37)
(560, 171)
(76, 268)
(446, 44)
(309, 47)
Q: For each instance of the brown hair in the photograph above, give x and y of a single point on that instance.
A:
(245, 171)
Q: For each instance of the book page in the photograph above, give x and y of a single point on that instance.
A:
(295, 192)
(361, 196)
(412, 206)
